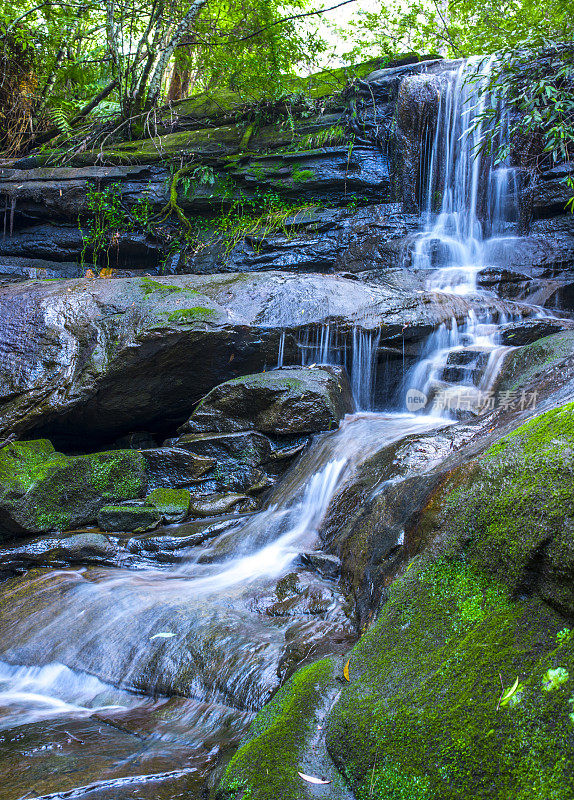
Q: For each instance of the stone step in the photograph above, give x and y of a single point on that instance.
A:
(470, 355)
(462, 374)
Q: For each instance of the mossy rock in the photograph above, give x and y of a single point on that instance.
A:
(527, 364)
(266, 765)
(172, 504)
(42, 490)
(128, 518)
(425, 715)
(512, 509)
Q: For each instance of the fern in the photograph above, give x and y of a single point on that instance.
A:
(60, 119)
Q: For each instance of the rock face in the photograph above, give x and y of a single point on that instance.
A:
(104, 357)
(281, 402)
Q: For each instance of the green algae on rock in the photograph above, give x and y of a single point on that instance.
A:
(511, 509)
(42, 490)
(422, 717)
(172, 504)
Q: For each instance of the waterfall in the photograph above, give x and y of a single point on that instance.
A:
(469, 229)
(357, 352)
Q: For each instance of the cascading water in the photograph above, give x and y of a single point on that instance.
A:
(469, 229)
(357, 352)
(477, 200)
(199, 629)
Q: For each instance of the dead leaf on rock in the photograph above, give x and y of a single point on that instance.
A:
(312, 779)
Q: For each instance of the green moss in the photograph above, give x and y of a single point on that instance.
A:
(525, 364)
(518, 495)
(117, 474)
(265, 767)
(421, 717)
(22, 464)
(170, 501)
(43, 490)
(150, 286)
(302, 175)
(185, 316)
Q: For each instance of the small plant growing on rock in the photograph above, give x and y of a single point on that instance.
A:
(554, 679)
(564, 636)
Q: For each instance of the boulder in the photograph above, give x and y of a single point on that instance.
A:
(221, 503)
(129, 518)
(528, 331)
(42, 490)
(174, 467)
(172, 504)
(288, 401)
(244, 461)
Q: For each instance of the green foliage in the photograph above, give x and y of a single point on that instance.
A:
(106, 218)
(537, 80)
(455, 28)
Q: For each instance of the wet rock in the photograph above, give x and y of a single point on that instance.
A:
(174, 467)
(284, 401)
(526, 332)
(417, 109)
(326, 565)
(285, 737)
(42, 490)
(240, 459)
(190, 534)
(215, 504)
(551, 192)
(172, 504)
(129, 518)
(14, 268)
(100, 357)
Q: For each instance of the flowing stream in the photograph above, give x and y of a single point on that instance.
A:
(182, 658)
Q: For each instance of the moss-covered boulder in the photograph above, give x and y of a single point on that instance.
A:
(451, 695)
(172, 504)
(129, 518)
(283, 401)
(42, 490)
(463, 687)
(280, 742)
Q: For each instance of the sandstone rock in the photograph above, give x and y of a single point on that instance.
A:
(284, 401)
(42, 490)
(129, 518)
(101, 357)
